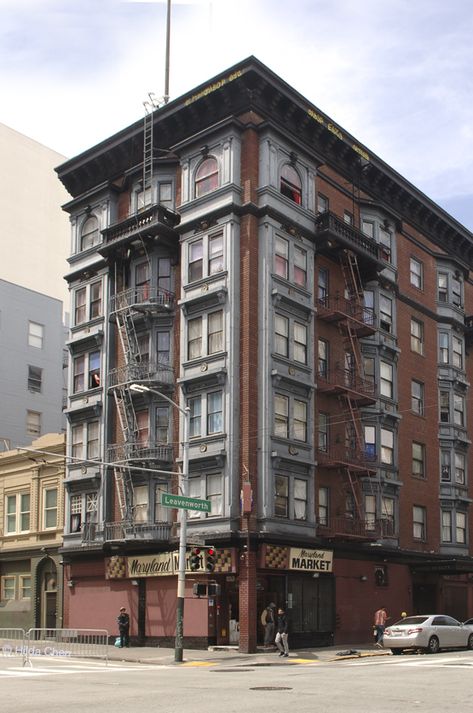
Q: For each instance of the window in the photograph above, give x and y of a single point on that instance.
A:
(417, 397)
(80, 305)
(163, 347)
(34, 379)
(300, 499)
(209, 487)
(370, 512)
(290, 185)
(214, 412)
(142, 425)
(92, 440)
(300, 420)
(444, 348)
(17, 513)
(82, 509)
(367, 227)
(350, 506)
(323, 507)
(368, 369)
(215, 254)
(88, 302)
(281, 497)
(95, 300)
(211, 323)
(458, 410)
(416, 273)
(141, 503)
(281, 259)
(454, 522)
(444, 400)
(25, 586)
(206, 177)
(387, 446)
(300, 266)
(143, 348)
(160, 512)
(446, 526)
(445, 466)
(385, 313)
(322, 360)
(385, 240)
(417, 336)
(418, 522)
(457, 292)
(33, 423)
(281, 335)
(322, 434)
(215, 332)
(457, 352)
(387, 510)
(35, 335)
(442, 287)
(322, 204)
(196, 255)
(386, 379)
(322, 286)
(8, 588)
(460, 529)
(460, 468)
(370, 442)
(49, 508)
(164, 274)
(89, 234)
(281, 416)
(162, 425)
(77, 437)
(418, 460)
(86, 364)
(142, 281)
(143, 197)
(300, 343)
(347, 217)
(195, 405)
(165, 195)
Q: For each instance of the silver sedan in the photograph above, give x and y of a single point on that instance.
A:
(429, 632)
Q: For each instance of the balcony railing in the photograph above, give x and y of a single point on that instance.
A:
(93, 533)
(143, 451)
(159, 373)
(338, 381)
(147, 222)
(347, 235)
(143, 298)
(346, 527)
(334, 308)
(340, 455)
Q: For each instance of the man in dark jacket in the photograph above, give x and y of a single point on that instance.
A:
(281, 633)
(124, 627)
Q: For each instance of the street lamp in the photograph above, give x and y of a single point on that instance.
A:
(183, 480)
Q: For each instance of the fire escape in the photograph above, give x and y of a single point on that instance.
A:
(134, 310)
(346, 451)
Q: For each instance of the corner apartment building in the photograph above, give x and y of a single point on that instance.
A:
(32, 380)
(31, 517)
(240, 253)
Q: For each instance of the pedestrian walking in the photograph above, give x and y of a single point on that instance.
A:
(380, 618)
(268, 620)
(123, 621)
(282, 633)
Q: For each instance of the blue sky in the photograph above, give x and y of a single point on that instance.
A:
(397, 74)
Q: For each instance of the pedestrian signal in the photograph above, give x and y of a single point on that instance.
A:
(211, 559)
(195, 559)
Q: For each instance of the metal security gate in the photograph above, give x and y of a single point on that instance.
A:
(57, 644)
(13, 643)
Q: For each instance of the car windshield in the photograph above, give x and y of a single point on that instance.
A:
(411, 621)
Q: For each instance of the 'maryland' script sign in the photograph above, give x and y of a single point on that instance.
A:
(310, 560)
(160, 565)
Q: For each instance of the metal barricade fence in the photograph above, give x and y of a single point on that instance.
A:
(13, 643)
(67, 644)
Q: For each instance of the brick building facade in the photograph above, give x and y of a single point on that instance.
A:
(241, 254)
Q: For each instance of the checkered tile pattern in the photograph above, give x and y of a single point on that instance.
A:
(276, 557)
(115, 568)
(223, 561)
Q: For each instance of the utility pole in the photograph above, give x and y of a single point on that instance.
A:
(168, 52)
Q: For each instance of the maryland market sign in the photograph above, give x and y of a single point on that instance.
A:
(310, 560)
(162, 564)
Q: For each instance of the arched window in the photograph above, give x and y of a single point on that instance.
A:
(291, 186)
(89, 235)
(206, 177)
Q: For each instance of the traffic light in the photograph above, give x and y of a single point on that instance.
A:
(195, 558)
(211, 559)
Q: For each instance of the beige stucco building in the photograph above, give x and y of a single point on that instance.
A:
(31, 527)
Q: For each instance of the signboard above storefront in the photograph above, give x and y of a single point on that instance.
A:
(314, 561)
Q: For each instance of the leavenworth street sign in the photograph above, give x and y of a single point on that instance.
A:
(184, 503)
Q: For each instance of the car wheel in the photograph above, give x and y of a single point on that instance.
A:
(433, 645)
(397, 652)
(470, 642)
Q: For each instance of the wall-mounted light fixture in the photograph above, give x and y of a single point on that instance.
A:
(134, 582)
(71, 584)
(363, 578)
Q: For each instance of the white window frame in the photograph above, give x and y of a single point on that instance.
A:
(324, 506)
(418, 471)
(387, 446)
(416, 273)
(419, 523)
(370, 512)
(417, 397)
(4, 587)
(209, 487)
(33, 422)
(19, 514)
(202, 415)
(90, 300)
(35, 335)
(200, 346)
(48, 509)
(22, 587)
(211, 263)
(386, 379)
(417, 336)
(87, 374)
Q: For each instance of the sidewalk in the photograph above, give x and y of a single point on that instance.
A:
(230, 654)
